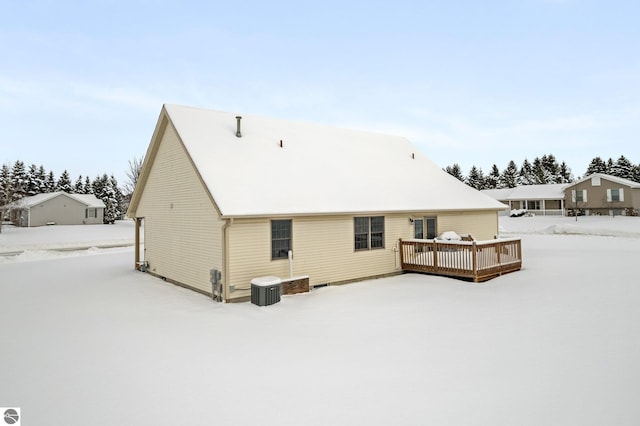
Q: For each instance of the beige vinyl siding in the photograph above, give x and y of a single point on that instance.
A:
(481, 225)
(182, 230)
(323, 247)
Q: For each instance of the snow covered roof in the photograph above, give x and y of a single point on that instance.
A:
(551, 191)
(89, 200)
(615, 179)
(281, 167)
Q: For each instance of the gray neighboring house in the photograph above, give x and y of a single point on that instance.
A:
(57, 208)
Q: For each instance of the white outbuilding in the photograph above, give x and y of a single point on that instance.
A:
(57, 208)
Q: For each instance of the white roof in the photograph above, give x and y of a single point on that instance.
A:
(615, 179)
(89, 200)
(552, 191)
(318, 169)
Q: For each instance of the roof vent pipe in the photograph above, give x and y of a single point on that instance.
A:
(238, 134)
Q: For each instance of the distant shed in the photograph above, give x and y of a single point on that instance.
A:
(57, 208)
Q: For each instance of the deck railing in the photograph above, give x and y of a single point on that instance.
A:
(475, 260)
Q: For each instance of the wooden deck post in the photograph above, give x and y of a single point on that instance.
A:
(401, 253)
(137, 243)
(474, 256)
(435, 255)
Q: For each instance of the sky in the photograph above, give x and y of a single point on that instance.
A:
(468, 82)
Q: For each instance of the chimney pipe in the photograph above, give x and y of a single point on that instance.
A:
(238, 134)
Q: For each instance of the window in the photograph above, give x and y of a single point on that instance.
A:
(616, 194)
(280, 239)
(533, 204)
(368, 232)
(579, 196)
(432, 228)
(419, 231)
(91, 213)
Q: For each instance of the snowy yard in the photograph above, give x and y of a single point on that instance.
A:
(89, 341)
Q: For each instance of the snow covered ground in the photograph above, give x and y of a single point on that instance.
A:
(30, 243)
(89, 341)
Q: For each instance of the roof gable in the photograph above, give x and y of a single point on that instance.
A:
(283, 167)
(89, 200)
(551, 191)
(615, 179)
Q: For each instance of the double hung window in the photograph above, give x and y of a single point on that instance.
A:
(280, 239)
(368, 232)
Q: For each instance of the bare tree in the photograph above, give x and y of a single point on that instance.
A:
(575, 202)
(133, 173)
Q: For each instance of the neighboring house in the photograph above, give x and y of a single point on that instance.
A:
(538, 199)
(601, 194)
(228, 197)
(56, 208)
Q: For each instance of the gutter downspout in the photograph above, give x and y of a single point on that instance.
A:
(137, 243)
(225, 259)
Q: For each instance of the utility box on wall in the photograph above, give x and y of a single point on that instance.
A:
(265, 290)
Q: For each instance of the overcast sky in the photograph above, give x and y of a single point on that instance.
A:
(472, 82)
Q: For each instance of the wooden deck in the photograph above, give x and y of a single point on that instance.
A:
(474, 260)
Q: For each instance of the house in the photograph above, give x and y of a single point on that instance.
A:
(225, 199)
(538, 199)
(602, 194)
(56, 208)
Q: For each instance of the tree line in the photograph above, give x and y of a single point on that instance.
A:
(543, 170)
(18, 181)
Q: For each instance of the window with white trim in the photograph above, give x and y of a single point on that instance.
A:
(533, 204)
(280, 239)
(368, 232)
(615, 195)
(579, 196)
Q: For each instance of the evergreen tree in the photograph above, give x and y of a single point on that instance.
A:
(509, 176)
(622, 168)
(492, 181)
(597, 165)
(64, 183)
(609, 166)
(78, 187)
(565, 173)
(476, 178)
(526, 173)
(97, 187)
(33, 186)
(50, 183)
(455, 171)
(118, 197)
(88, 188)
(18, 180)
(41, 180)
(552, 168)
(6, 190)
(636, 173)
(540, 174)
(103, 189)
